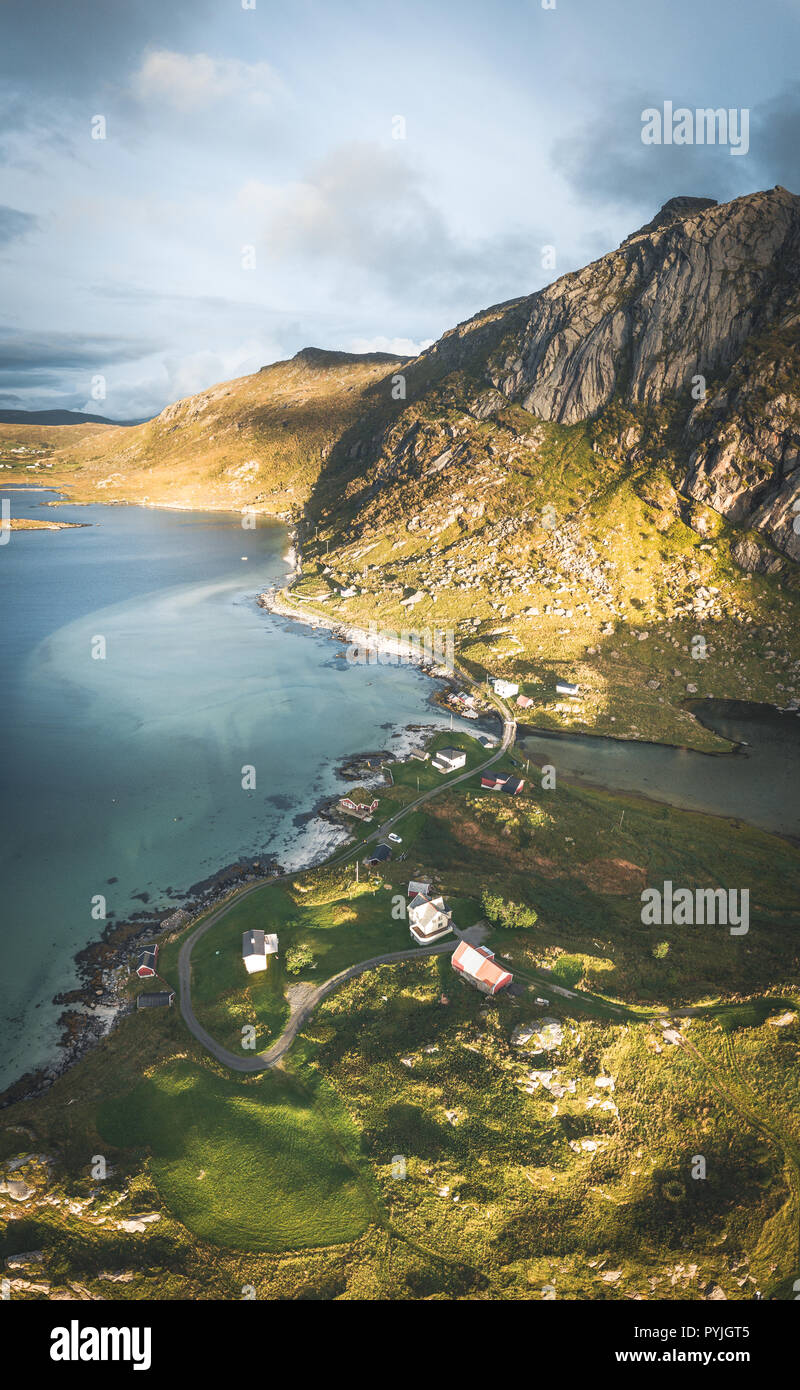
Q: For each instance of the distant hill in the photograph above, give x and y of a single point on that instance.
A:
(260, 440)
(58, 417)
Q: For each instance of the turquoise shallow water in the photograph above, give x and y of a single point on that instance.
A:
(130, 768)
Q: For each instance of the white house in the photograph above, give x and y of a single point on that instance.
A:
(428, 919)
(256, 946)
(505, 689)
(567, 688)
(448, 759)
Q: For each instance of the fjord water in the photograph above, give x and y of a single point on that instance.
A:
(758, 783)
(123, 776)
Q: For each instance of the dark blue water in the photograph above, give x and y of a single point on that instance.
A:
(759, 782)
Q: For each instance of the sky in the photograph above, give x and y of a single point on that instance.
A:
(191, 189)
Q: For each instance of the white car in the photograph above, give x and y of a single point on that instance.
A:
(396, 840)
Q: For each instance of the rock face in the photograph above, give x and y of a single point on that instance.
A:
(702, 291)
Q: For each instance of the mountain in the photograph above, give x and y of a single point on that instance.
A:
(57, 417)
(257, 441)
(583, 480)
(703, 291)
(553, 489)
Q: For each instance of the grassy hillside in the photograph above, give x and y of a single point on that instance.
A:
(255, 1170)
(552, 554)
(30, 449)
(258, 441)
(522, 1172)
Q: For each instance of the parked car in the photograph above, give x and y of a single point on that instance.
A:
(395, 839)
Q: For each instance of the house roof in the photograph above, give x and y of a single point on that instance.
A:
(513, 785)
(253, 943)
(379, 853)
(416, 887)
(479, 963)
(147, 958)
(160, 1000)
(270, 943)
(424, 911)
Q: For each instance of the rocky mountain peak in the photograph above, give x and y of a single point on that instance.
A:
(698, 311)
(675, 210)
(320, 359)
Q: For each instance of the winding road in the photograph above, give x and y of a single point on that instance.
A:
(305, 1005)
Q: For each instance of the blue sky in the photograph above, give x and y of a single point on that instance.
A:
(272, 128)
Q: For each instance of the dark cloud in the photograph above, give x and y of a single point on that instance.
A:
(26, 352)
(71, 47)
(776, 139)
(607, 161)
(15, 224)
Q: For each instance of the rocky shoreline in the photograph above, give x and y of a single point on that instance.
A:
(98, 1002)
(94, 1007)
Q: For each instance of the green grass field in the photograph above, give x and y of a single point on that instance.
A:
(249, 1167)
(341, 924)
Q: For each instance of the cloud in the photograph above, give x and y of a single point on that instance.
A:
(398, 347)
(366, 209)
(144, 388)
(776, 138)
(608, 163)
(43, 351)
(195, 82)
(15, 224)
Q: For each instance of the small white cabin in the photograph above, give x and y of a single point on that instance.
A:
(256, 947)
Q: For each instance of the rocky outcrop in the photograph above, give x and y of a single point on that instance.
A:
(679, 301)
(699, 308)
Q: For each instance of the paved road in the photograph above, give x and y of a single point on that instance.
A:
(262, 1061)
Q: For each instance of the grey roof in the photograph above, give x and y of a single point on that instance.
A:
(380, 852)
(253, 943)
(161, 1000)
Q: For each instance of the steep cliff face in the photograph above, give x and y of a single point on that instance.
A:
(703, 298)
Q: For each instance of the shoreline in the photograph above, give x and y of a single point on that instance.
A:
(97, 1003)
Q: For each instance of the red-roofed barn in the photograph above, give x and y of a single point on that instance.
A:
(478, 965)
